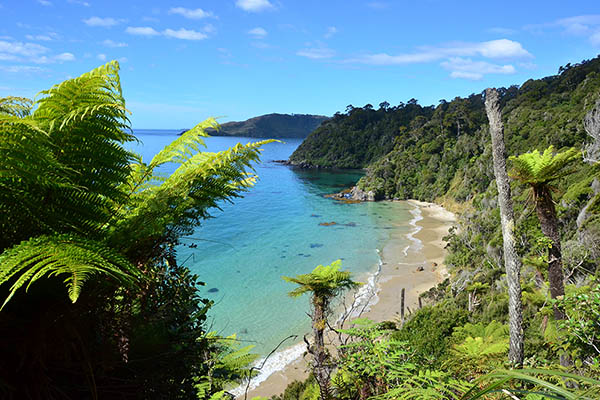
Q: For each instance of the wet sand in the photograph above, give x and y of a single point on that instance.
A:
(399, 270)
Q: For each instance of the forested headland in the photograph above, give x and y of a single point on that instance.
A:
(274, 125)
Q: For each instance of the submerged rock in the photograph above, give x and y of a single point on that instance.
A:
(213, 290)
(316, 245)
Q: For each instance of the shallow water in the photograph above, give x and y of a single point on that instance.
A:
(273, 231)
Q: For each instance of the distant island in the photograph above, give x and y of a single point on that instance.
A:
(272, 126)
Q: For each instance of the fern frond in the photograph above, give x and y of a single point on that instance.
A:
(185, 146)
(323, 281)
(16, 106)
(540, 168)
(75, 258)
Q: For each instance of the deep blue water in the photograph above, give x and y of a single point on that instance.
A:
(272, 231)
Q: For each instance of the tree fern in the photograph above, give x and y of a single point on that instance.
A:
(74, 258)
(540, 168)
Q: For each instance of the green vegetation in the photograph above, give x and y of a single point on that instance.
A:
(457, 347)
(324, 283)
(94, 302)
(272, 126)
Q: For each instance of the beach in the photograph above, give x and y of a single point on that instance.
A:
(416, 268)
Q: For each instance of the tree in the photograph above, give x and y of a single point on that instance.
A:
(512, 261)
(325, 283)
(538, 170)
(79, 210)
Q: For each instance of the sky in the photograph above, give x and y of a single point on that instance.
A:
(184, 61)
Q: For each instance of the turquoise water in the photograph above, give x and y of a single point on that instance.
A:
(273, 231)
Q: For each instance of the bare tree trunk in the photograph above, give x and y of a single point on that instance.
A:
(321, 366)
(512, 261)
(546, 213)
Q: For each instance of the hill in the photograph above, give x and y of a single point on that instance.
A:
(273, 126)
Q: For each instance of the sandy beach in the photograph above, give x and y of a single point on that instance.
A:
(400, 269)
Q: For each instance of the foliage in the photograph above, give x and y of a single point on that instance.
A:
(324, 281)
(582, 325)
(429, 331)
(537, 168)
(77, 208)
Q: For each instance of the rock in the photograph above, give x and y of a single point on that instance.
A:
(213, 290)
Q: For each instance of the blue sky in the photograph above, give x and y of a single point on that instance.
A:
(183, 61)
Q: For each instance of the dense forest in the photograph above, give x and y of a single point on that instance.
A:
(443, 154)
(276, 126)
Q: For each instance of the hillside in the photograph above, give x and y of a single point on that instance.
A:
(273, 126)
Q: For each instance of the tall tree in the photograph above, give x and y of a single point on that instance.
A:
(325, 283)
(512, 261)
(538, 170)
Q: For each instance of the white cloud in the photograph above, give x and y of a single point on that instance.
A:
(209, 28)
(43, 38)
(141, 31)
(198, 13)
(254, 5)
(184, 34)
(102, 22)
(113, 44)
(79, 2)
(45, 3)
(501, 48)
(258, 32)
(316, 53)
(20, 68)
(332, 30)
(101, 57)
(580, 24)
(474, 70)
(8, 57)
(22, 49)
(65, 57)
(502, 31)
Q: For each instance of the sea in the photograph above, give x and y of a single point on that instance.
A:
(283, 226)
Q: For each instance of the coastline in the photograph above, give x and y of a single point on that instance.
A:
(398, 269)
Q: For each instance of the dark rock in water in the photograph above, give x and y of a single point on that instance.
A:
(300, 254)
(316, 245)
(192, 246)
(238, 271)
(307, 255)
(282, 257)
(315, 215)
(350, 224)
(213, 290)
(420, 268)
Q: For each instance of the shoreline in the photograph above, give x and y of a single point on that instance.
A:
(398, 269)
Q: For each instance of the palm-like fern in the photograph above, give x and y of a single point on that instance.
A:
(164, 208)
(324, 281)
(77, 258)
(538, 170)
(535, 168)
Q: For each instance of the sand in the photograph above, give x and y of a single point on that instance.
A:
(399, 270)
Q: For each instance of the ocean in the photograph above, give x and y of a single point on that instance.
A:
(275, 230)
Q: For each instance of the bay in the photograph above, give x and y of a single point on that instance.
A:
(275, 230)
